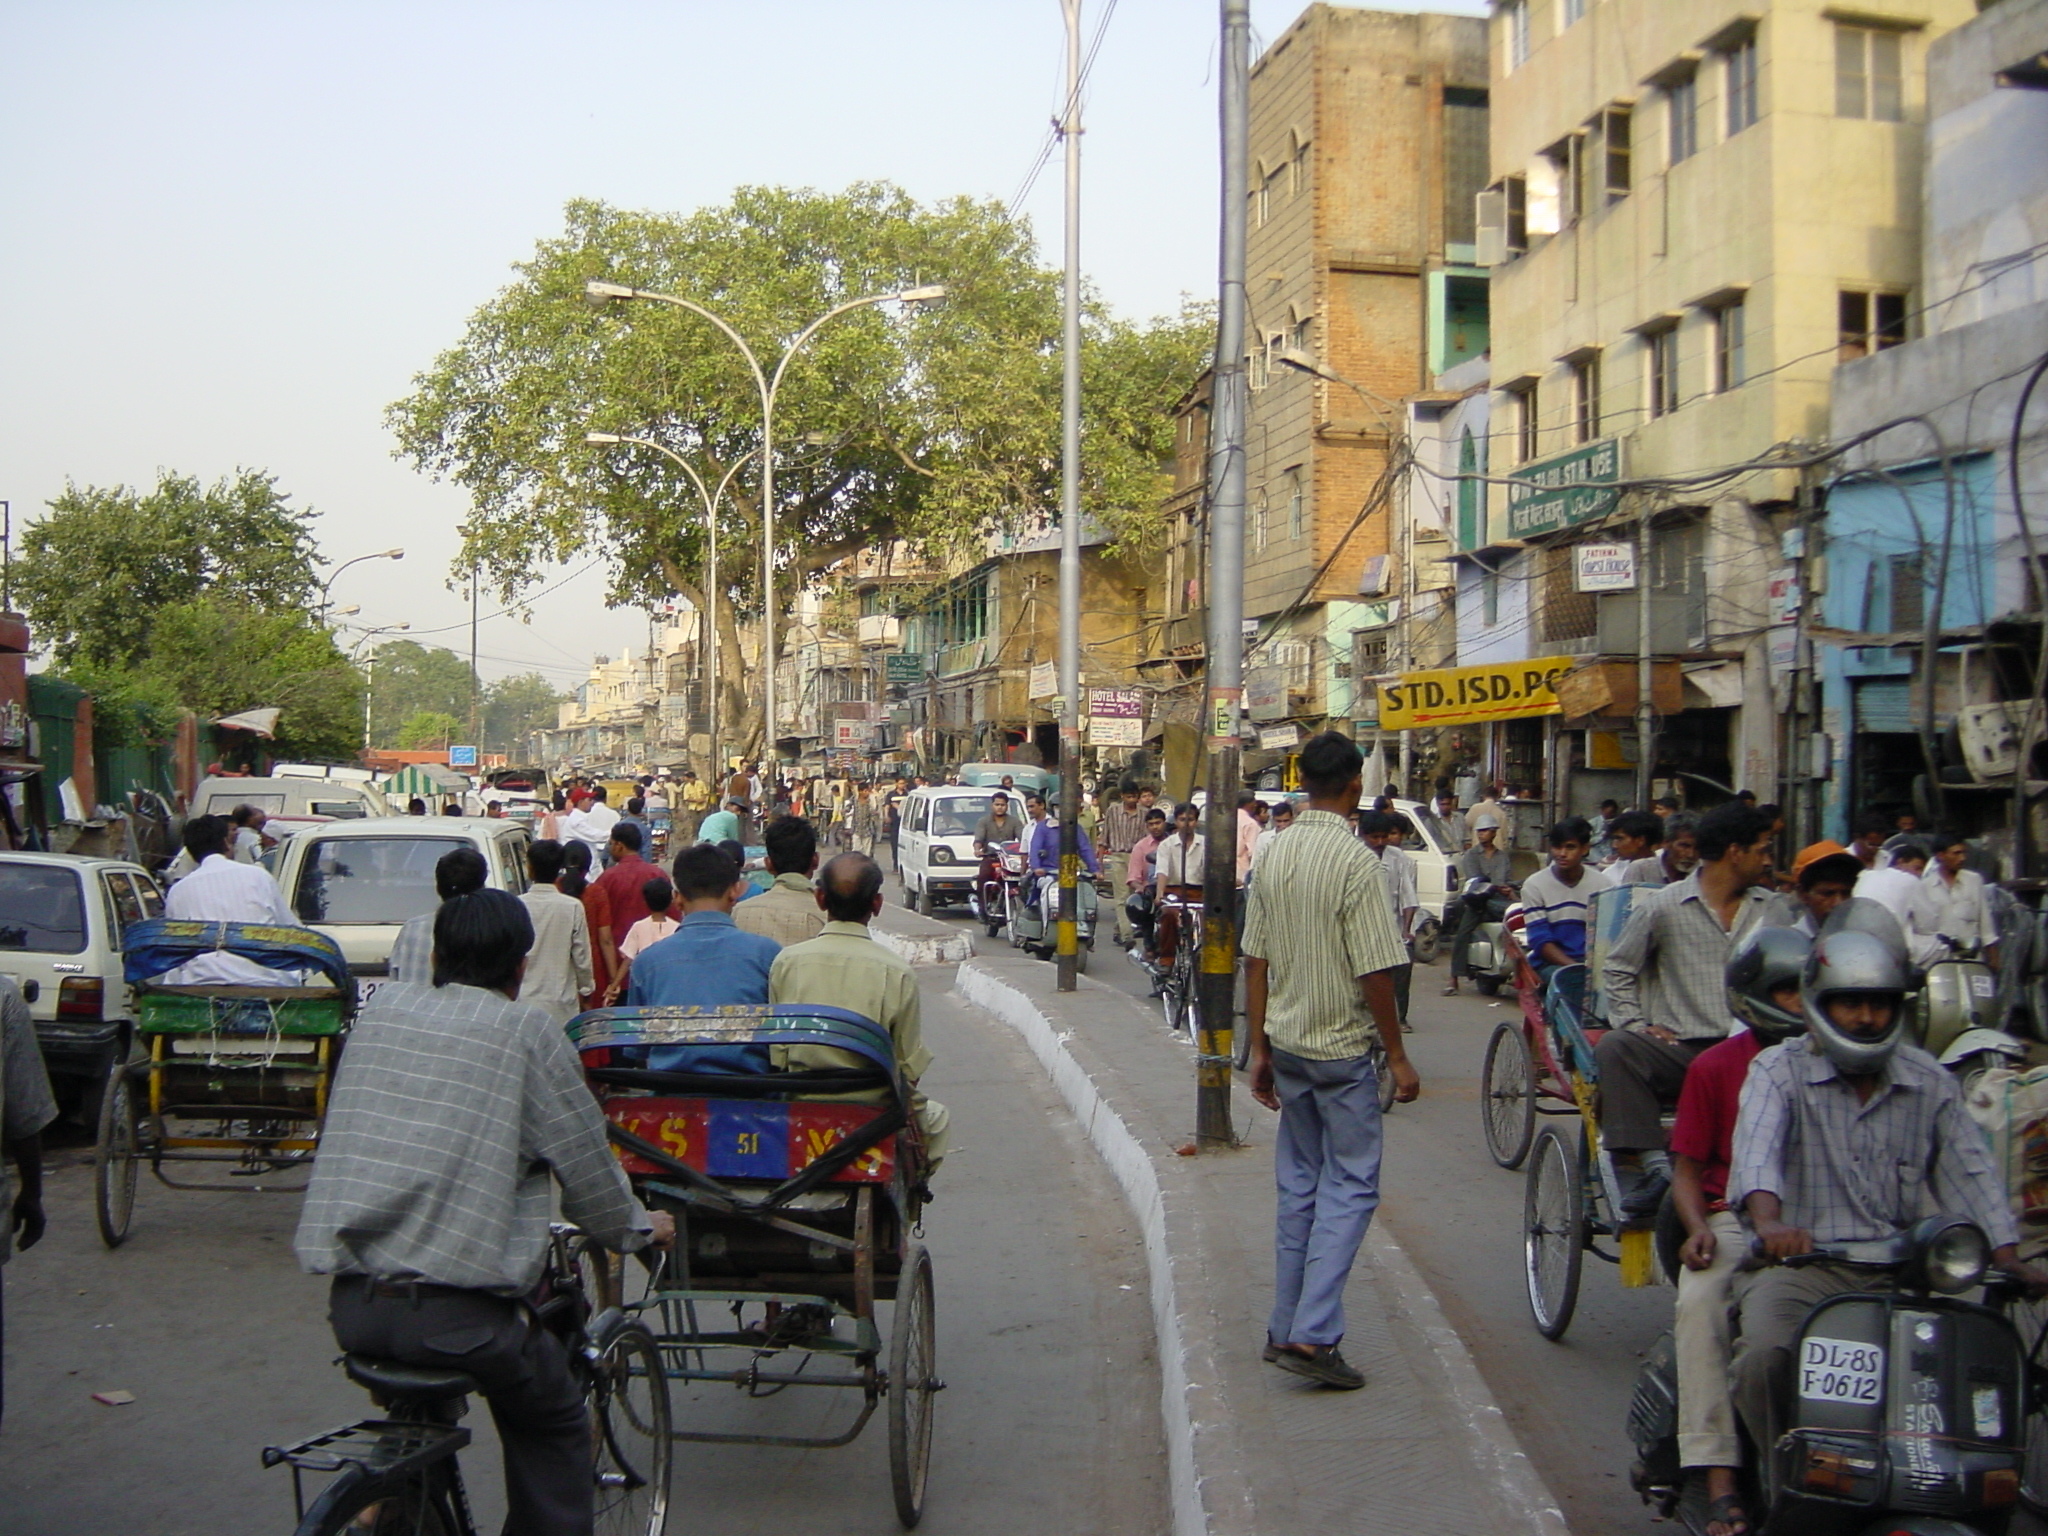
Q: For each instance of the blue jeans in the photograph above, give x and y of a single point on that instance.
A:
(1326, 1164)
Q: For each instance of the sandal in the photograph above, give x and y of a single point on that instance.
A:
(1450, 991)
(1727, 1511)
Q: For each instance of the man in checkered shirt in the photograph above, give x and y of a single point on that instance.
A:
(453, 1108)
(1846, 1135)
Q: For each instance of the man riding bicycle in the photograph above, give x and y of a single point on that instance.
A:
(1180, 864)
(430, 1204)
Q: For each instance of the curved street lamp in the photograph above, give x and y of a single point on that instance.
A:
(328, 585)
(711, 501)
(370, 672)
(769, 386)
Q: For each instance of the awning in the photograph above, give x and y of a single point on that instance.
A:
(259, 722)
(1720, 681)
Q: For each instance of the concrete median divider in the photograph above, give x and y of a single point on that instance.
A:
(1429, 1451)
(922, 940)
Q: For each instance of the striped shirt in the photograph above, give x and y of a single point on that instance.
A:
(451, 1108)
(1121, 829)
(1849, 1170)
(1556, 913)
(1319, 916)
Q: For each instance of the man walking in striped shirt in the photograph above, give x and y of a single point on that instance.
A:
(1320, 948)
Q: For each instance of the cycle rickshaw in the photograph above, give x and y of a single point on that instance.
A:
(1543, 1064)
(796, 1189)
(234, 1075)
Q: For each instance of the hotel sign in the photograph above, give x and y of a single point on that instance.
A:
(1565, 490)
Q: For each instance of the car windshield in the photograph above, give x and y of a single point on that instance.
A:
(370, 879)
(220, 803)
(958, 816)
(1426, 820)
(41, 908)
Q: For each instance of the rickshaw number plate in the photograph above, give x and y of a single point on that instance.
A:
(731, 1140)
(1840, 1370)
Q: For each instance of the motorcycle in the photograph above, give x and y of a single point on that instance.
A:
(997, 886)
(1033, 931)
(1910, 1407)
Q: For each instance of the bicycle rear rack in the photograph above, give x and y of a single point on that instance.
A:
(381, 1447)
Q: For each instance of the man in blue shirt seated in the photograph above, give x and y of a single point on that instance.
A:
(1555, 899)
(709, 961)
(1042, 858)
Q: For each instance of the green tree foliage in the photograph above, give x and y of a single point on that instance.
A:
(428, 728)
(930, 426)
(96, 575)
(407, 679)
(219, 657)
(516, 707)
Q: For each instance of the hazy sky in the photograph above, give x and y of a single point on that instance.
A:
(234, 232)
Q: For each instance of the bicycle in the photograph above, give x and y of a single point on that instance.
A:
(399, 1475)
(1180, 997)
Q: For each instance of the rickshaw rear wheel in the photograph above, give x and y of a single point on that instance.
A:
(114, 1158)
(913, 1383)
(1554, 1230)
(1507, 1096)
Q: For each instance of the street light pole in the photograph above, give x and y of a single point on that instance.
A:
(768, 387)
(1218, 985)
(711, 500)
(370, 670)
(1067, 946)
(328, 585)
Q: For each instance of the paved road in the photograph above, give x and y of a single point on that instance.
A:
(1044, 1339)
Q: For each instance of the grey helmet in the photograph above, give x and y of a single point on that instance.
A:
(1769, 958)
(1854, 961)
(1860, 914)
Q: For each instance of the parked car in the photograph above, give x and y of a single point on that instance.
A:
(61, 920)
(935, 859)
(359, 882)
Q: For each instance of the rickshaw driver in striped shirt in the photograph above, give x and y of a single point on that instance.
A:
(1320, 949)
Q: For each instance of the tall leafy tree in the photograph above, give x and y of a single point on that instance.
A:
(219, 657)
(407, 679)
(428, 728)
(930, 426)
(516, 707)
(97, 573)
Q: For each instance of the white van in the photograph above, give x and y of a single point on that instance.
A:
(935, 859)
(291, 800)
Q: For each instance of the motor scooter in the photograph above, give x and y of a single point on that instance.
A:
(995, 896)
(1036, 932)
(1960, 993)
(1487, 958)
(1906, 1411)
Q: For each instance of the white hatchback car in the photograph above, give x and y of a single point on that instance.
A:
(359, 882)
(61, 920)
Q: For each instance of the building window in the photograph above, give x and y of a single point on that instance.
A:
(1259, 509)
(1909, 592)
(1616, 132)
(1870, 79)
(1661, 358)
(1527, 407)
(1568, 613)
(1730, 368)
(1472, 456)
(1257, 369)
(1262, 200)
(1489, 598)
(1570, 165)
(1682, 117)
(1569, 11)
(1301, 340)
(1516, 15)
(1586, 398)
(1740, 61)
(1297, 503)
(1298, 168)
(1870, 322)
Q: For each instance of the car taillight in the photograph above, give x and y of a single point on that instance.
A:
(81, 997)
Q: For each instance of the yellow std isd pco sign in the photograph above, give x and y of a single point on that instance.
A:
(1512, 690)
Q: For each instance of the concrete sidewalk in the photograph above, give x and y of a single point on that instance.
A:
(1423, 1449)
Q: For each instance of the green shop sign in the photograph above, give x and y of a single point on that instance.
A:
(1563, 491)
(903, 667)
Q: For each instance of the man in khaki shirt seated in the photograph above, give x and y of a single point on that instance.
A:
(787, 911)
(843, 967)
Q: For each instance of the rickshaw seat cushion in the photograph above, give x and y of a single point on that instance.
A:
(392, 1379)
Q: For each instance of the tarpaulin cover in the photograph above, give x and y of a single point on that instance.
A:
(732, 1038)
(165, 943)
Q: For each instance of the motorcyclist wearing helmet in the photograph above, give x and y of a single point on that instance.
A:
(1844, 1136)
(1762, 977)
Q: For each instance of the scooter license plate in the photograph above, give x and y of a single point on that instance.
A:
(1840, 1370)
(1983, 986)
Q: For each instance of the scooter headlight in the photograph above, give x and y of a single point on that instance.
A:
(1951, 1256)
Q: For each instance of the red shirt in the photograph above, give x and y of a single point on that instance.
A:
(1705, 1128)
(621, 887)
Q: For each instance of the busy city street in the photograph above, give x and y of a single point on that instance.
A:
(1157, 769)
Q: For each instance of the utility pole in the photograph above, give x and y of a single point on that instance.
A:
(1218, 985)
(476, 687)
(1068, 947)
(1646, 712)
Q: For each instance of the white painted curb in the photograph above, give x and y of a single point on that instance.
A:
(1206, 1488)
(947, 949)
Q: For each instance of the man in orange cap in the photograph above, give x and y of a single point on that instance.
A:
(1823, 877)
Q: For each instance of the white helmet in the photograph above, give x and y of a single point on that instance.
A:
(1856, 962)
